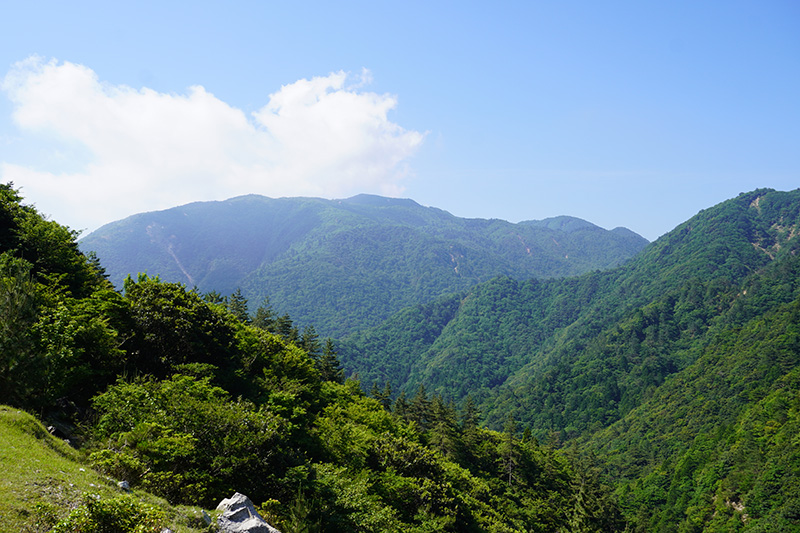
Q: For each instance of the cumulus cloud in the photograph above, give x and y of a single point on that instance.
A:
(149, 150)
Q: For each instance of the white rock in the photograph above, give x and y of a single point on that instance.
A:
(239, 515)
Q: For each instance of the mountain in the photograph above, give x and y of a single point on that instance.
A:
(678, 371)
(674, 377)
(177, 402)
(342, 265)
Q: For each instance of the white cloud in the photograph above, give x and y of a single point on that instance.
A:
(149, 150)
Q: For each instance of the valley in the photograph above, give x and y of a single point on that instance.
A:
(482, 376)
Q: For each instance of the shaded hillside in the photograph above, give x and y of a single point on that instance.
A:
(687, 354)
(504, 333)
(346, 264)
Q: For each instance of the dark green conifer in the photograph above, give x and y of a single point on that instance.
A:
(237, 305)
(329, 367)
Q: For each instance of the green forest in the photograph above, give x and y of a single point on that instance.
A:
(675, 373)
(189, 397)
(343, 265)
(657, 396)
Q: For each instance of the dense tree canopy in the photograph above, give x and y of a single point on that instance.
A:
(186, 396)
(674, 376)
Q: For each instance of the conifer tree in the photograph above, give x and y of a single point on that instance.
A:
(214, 297)
(309, 341)
(444, 427)
(509, 450)
(329, 367)
(265, 317)
(237, 305)
(400, 407)
(419, 409)
(285, 328)
(384, 396)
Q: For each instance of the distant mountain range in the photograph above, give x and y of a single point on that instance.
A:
(343, 265)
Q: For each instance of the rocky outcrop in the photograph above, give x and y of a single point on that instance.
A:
(239, 515)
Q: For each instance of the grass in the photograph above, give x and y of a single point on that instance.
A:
(43, 479)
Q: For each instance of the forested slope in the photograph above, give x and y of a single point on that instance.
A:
(343, 265)
(671, 368)
(190, 397)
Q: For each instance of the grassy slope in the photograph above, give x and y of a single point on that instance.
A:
(43, 479)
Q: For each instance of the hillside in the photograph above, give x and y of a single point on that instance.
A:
(676, 370)
(187, 400)
(673, 376)
(44, 478)
(343, 265)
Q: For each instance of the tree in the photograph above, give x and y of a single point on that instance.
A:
(265, 317)
(508, 450)
(329, 367)
(237, 305)
(384, 396)
(400, 407)
(309, 341)
(284, 326)
(173, 326)
(419, 410)
(214, 297)
(18, 312)
(444, 427)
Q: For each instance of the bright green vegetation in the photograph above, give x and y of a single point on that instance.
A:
(347, 264)
(189, 398)
(716, 448)
(661, 395)
(677, 371)
(43, 478)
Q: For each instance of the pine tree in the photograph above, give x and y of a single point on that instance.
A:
(329, 367)
(401, 406)
(509, 450)
(384, 396)
(285, 328)
(444, 427)
(309, 341)
(265, 317)
(214, 297)
(237, 305)
(419, 410)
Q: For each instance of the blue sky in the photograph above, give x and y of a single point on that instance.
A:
(635, 114)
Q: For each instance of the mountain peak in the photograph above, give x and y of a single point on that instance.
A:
(379, 201)
(563, 223)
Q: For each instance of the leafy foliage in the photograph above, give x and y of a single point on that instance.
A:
(182, 395)
(123, 514)
(655, 366)
(675, 375)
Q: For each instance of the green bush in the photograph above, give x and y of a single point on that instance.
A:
(123, 514)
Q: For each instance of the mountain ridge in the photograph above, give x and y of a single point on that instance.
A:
(677, 373)
(343, 264)
(552, 317)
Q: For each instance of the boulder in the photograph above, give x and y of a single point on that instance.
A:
(239, 515)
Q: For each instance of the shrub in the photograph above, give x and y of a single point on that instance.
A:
(123, 514)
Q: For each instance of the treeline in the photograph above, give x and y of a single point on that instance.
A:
(191, 396)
